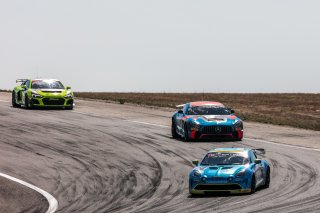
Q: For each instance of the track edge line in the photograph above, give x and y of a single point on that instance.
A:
(53, 203)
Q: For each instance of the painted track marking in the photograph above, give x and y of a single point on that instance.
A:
(53, 203)
(252, 139)
(150, 124)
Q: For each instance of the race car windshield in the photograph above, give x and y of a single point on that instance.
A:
(217, 158)
(208, 110)
(47, 85)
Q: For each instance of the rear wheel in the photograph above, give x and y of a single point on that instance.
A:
(267, 183)
(14, 104)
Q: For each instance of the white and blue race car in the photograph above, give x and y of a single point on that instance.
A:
(206, 120)
(232, 170)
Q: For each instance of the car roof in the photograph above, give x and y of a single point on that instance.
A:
(205, 103)
(243, 150)
(44, 79)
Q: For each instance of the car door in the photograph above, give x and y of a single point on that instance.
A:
(258, 169)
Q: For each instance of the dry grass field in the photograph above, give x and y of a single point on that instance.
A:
(297, 110)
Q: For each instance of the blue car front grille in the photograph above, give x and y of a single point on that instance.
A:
(217, 130)
(217, 179)
(212, 187)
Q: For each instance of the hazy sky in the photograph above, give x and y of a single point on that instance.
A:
(157, 46)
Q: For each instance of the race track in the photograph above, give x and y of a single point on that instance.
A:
(101, 162)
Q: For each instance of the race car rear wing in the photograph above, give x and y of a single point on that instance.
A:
(259, 151)
(180, 106)
(21, 80)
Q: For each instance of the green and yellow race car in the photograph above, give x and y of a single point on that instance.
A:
(33, 93)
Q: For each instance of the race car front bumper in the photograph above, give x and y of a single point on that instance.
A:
(234, 185)
(198, 134)
(52, 102)
(231, 191)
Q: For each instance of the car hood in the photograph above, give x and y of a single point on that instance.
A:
(226, 170)
(214, 119)
(51, 92)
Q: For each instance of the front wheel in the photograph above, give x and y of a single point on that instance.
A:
(27, 103)
(69, 107)
(253, 185)
(186, 134)
(14, 104)
(174, 130)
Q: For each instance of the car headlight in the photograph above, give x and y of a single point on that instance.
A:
(35, 95)
(238, 125)
(69, 95)
(194, 126)
(241, 173)
(196, 173)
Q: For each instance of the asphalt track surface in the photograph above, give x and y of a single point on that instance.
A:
(105, 163)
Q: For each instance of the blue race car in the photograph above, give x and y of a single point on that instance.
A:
(233, 170)
(206, 120)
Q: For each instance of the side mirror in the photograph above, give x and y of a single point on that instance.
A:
(232, 111)
(68, 87)
(24, 87)
(257, 161)
(195, 162)
(180, 111)
(260, 151)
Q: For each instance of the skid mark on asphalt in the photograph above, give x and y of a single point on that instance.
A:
(247, 138)
(109, 164)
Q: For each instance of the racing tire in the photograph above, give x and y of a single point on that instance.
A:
(27, 103)
(253, 184)
(190, 193)
(235, 137)
(186, 134)
(174, 130)
(69, 108)
(14, 104)
(267, 183)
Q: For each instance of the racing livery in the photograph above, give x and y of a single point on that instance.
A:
(206, 120)
(42, 93)
(232, 170)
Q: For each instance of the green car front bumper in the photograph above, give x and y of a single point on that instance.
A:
(52, 102)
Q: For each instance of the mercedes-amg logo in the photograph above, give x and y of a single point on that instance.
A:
(218, 129)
